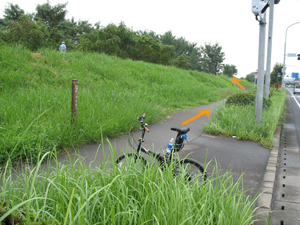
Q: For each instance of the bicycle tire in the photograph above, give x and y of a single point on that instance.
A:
(131, 160)
(193, 171)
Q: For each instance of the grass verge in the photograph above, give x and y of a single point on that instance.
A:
(240, 121)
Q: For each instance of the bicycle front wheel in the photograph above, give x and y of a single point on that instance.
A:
(193, 171)
(131, 160)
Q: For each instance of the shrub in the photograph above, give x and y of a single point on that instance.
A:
(247, 98)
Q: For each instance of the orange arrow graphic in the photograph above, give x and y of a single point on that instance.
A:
(201, 113)
(237, 81)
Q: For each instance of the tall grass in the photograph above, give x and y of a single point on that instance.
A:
(76, 193)
(112, 92)
(240, 121)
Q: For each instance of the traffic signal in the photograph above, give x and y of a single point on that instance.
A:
(298, 56)
(276, 1)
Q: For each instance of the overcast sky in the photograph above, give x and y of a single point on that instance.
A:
(230, 23)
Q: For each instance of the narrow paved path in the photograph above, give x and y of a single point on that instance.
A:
(245, 157)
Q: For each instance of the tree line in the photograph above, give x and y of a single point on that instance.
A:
(48, 26)
(274, 78)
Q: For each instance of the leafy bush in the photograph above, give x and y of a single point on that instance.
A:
(248, 98)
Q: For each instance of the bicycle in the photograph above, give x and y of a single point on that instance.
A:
(191, 169)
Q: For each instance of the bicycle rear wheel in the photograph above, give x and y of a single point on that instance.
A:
(131, 160)
(193, 171)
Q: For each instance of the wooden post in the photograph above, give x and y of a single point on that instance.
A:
(74, 100)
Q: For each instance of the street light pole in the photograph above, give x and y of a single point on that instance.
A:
(261, 71)
(283, 69)
(271, 16)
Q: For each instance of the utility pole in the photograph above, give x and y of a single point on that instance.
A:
(259, 8)
(269, 54)
(261, 71)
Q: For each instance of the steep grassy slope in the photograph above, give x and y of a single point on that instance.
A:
(35, 97)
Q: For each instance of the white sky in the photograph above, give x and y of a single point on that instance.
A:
(231, 23)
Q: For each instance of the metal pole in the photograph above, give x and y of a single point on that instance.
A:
(283, 68)
(269, 54)
(74, 100)
(261, 71)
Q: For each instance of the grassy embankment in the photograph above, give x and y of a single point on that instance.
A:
(240, 121)
(35, 96)
(248, 85)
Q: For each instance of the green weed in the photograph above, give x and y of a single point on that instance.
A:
(76, 193)
(240, 121)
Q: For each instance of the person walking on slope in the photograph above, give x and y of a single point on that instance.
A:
(63, 47)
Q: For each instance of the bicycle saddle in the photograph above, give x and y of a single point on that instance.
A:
(181, 130)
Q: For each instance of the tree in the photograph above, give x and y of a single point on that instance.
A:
(211, 58)
(152, 34)
(229, 70)
(182, 46)
(55, 38)
(4, 23)
(183, 61)
(166, 54)
(251, 77)
(146, 48)
(125, 43)
(274, 75)
(27, 32)
(51, 16)
(168, 38)
(112, 40)
(68, 30)
(13, 12)
(84, 27)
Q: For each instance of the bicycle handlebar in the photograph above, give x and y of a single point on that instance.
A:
(141, 119)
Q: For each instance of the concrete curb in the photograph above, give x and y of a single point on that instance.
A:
(264, 201)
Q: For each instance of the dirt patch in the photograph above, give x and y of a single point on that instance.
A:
(36, 56)
(66, 62)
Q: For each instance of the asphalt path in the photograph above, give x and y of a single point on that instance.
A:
(242, 157)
